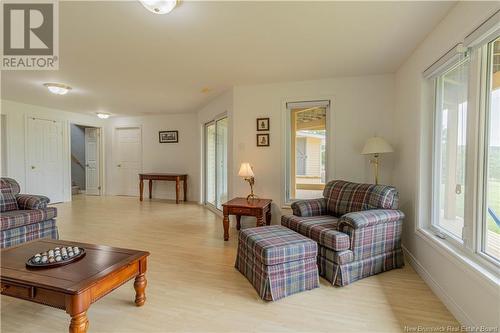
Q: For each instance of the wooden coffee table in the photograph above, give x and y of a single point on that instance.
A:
(75, 286)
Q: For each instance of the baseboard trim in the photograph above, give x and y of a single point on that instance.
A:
(447, 300)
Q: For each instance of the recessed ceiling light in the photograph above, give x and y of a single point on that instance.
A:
(159, 6)
(57, 88)
(103, 115)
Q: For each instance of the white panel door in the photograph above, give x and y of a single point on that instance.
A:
(92, 179)
(128, 160)
(45, 158)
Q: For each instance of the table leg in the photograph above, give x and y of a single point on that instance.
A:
(76, 307)
(150, 189)
(268, 217)
(225, 223)
(185, 188)
(140, 289)
(141, 189)
(177, 189)
(238, 222)
(79, 323)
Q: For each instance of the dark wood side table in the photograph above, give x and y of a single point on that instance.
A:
(177, 178)
(73, 287)
(260, 208)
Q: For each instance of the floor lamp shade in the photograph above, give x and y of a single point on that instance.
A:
(376, 145)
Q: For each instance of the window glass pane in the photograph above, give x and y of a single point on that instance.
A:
(451, 115)
(210, 164)
(492, 229)
(307, 152)
(221, 162)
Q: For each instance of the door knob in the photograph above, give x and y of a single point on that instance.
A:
(32, 167)
(119, 165)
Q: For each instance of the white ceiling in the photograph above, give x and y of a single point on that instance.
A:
(122, 59)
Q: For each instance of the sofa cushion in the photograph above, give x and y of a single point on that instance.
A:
(8, 190)
(273, 245)
(29, 201)
(322, 229)
(344, 197)
(17, 218)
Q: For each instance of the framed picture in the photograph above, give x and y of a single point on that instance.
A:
(169, 136)
(262, 124)
(263, 140)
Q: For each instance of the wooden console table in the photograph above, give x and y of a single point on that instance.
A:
(260, 208)
(73, 287)
(166, 177)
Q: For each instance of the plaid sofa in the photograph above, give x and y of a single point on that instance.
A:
(24, 217)
(357, 228)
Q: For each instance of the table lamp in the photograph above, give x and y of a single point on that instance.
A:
(376, 146)
(247, 174)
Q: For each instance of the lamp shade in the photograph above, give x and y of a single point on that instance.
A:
(376, 145)
(245, 170)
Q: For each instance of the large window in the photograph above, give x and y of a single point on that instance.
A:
(216, 139)
(491, 226)
(466, 151)
(450, 148)
(306, 149)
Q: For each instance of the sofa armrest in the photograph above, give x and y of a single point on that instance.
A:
(28, 201)
(366, 218)
(313, 207)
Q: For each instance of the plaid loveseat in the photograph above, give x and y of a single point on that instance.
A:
(357, 228)
(24, 217)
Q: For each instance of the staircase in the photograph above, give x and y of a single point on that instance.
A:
(75, 189)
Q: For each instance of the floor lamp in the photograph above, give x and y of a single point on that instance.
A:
(376, 146)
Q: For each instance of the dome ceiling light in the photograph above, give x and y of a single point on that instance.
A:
(57, 88)
(159, 6)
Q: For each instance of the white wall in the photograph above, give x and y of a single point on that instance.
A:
(179, 157)
(361, 107)
(15, 116)
(472, 299)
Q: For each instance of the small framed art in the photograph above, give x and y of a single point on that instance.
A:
(263, 140)
(169, 136)
(262, 124)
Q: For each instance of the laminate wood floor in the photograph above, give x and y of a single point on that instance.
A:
(193, 286)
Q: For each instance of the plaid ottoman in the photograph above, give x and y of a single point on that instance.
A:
(277, 261)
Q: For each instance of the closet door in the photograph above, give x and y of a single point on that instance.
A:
(45, 158)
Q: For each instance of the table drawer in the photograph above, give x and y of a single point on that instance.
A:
(17, 290)
(241, 211)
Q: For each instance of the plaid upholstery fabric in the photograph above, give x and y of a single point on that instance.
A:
(344, 274)
(292, 267)
(10, 183)
(322, 229)
(344, 197)
(8, 200)
(370, 217)
(275, 244)
(17, 218)
(313, 207)
(376, 239)
(26, 233)
(28, 201)
(339, 257)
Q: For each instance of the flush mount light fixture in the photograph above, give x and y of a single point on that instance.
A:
(103, 115)
(159, 6)
(57, 88)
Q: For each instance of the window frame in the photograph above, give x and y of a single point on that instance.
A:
(472, 245)
(287, 201)
(438, 230)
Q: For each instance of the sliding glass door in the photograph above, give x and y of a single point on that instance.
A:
(216, 162)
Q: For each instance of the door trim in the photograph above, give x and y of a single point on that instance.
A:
(113, 150)
(102, 156)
